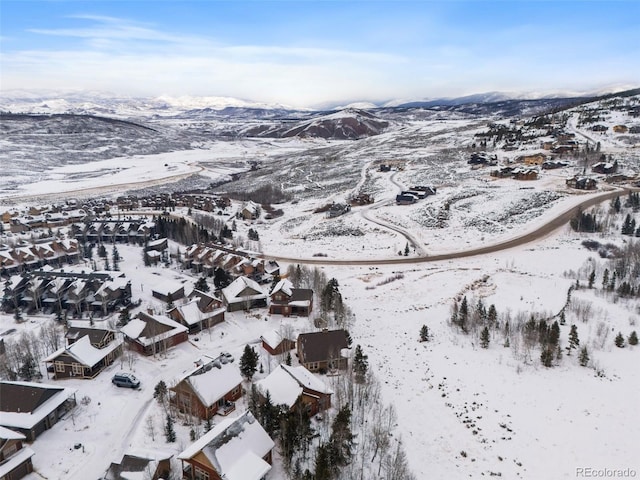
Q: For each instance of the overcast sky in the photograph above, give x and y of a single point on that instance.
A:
(311, 53)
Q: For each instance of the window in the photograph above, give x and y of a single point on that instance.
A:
(59, 366)
(201, 474)
(314, 366)
(77, 369)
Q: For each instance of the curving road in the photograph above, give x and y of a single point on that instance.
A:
(540, 232)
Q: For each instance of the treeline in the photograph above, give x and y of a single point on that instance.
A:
(523, 334)
(184, 232)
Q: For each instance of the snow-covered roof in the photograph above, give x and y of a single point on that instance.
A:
(272, 338)
(307, 379)
(27, 420)
(282, 387)
(166, 287)
(84, 352)
(15, 460)
(283, 285)
(192, 313)
(232, 292)
(135, 329)
(213, 380)
(8, 434)
(235, 447)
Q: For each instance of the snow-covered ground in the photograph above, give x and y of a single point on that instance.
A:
(463, 411)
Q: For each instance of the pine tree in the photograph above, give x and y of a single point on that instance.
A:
(617, 205)
(406, 250)
(484, 338)
(424, 333)
(563, 320)
(323, 463)
(633, 338)
(492, 315)
(554, 335)
(160, 391)
(605, 279)
(341, 439)
(202, 284)
(169, 431)
(574, 342)
(619, 340)
(360, 365)
(463, 315)
(288, 359)
(584, 357)
(592, 278)
(546, 357)
(249, 362)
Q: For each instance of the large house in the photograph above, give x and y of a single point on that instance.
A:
(287, 300)
(243, 294)
(15, 459)
(31, 408)
(209, 389)
(149, 334)
(85, 357)
(292, 385)
(235, 449)
(322, 351)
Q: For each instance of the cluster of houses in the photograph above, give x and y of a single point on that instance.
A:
(199, 201)
(236, 448)
(205, 259)
(131, 230)
(415, 193)
(51, 290)
(26, 256)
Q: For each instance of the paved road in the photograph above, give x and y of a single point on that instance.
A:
(540, 232)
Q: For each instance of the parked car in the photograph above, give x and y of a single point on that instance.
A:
(125, 380)
(226, 357)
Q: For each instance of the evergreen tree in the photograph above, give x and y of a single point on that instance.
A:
(202, 284)
(619, 340)
(484, 338)
(492, 315)
(633, 338)
(424, 333)
(563, 320)
(208, 425)
(269, 415)
(124, 317)
(463, 315)
(360, 365)
(546, 357)
(406, 250)
(617, 205)
(574, 342)
(323, 469)
(249, 362)
(341, 439)
(169, 431)
(584, 357)
(605, 279)
(592, 278)
(288, 359)
(554, 335)
(29, 368)
(221, 279)
(160, 391)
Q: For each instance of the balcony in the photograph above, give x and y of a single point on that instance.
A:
(226, 408)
